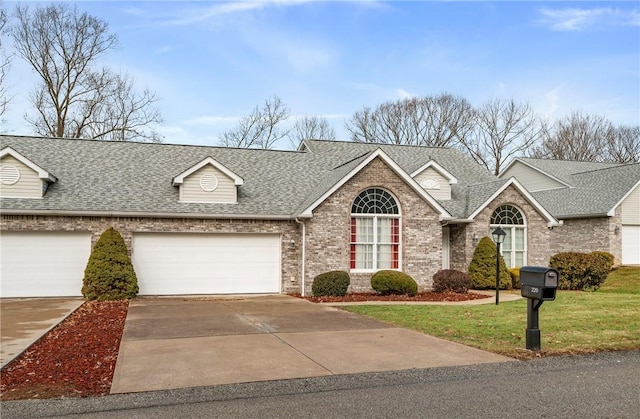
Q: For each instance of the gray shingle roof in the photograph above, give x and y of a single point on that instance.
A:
(593, 193)
(129, 177)
(563, 169)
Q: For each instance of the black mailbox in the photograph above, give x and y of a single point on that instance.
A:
(538, 283)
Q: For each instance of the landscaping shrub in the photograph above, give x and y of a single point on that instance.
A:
(515, 277)
(451, 280)
(483, 267)
(109, 274)
(389, 282)
(333, 283)
(606, 256)
(580, 271)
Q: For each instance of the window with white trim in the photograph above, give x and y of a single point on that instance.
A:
(375, 231)
(514, 247)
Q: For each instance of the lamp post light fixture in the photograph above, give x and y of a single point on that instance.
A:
(498, 237)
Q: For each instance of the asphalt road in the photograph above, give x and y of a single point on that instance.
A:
(605, 385)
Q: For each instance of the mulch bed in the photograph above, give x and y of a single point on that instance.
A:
(424, 296)
(75, 359)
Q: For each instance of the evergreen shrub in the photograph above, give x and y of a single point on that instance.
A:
(109, 274)
(483, 267)
(333, 283)
(388, 282)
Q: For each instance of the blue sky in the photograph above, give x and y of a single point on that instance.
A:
(213, 62)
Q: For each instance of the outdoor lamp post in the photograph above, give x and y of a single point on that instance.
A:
(498, 237)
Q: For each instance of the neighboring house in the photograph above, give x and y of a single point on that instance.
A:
(598, 204)
(212, 220)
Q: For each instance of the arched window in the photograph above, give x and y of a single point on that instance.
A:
(375, 231)
(512, 221)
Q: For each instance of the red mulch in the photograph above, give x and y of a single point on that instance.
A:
(424, 296)
(75, 359)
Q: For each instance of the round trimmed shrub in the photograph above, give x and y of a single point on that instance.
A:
(451, 280)
(109, 274)
(483, 267)
(388, 282)
(580, 271)
(333, 283)
(606, 257)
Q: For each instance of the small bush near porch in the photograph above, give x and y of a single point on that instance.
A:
(576, 322)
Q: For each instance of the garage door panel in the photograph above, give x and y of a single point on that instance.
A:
(168, 264)
(43, 264)
(630, 245)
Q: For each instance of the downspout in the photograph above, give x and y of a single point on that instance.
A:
(304, 251)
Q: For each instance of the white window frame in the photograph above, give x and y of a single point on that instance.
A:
(511, 230)
(375, 243)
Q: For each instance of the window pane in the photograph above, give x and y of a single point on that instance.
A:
(519, 258)
(364, 230)
(507, 258)
(519, 233)
(384, 230)
(384, 256)
(506, 244)
(364, 256)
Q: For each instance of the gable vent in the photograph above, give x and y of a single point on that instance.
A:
(209, 182)
(9, 175)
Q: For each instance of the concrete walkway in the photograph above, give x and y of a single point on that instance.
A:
(25, 320)
(180, 342)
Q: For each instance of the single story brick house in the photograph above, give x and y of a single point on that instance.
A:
(598, 204)
(213, 220)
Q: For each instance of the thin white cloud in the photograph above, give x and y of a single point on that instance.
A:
(577, 19)
(163, 49)
(403, 94)
(212, 120)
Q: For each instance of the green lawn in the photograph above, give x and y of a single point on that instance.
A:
(576, 322)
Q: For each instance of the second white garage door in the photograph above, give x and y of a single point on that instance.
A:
(630, 245)
(175, 264)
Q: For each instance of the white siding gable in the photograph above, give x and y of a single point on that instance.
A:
(434, 183)
(631, 208)
(435, 179)
(208, 184)
(20, 177)
(530, 178)
(208, 181)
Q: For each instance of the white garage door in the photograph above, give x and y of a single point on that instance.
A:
(174, 264)
(631, 245)
(47, 264)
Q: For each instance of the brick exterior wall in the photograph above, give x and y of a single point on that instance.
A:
(589, 234)
(328, 232)
(537, 236)
(289, 230)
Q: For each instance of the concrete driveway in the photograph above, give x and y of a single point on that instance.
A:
(180, 342)
(25, 320)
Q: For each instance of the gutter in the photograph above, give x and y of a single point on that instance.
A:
(148, 214)
(304, 252)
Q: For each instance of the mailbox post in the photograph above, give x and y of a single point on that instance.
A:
(538, 284)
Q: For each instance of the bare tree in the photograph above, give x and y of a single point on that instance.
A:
(311, 128)
(4, 65)
(577, 137)
(75, 99)
(624, 145)
(435, 121)
(504, 130)
(261, 128)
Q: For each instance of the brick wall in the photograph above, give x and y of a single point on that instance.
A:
(328, 231)
(538, 236)
(589, 234)
(289, 230)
